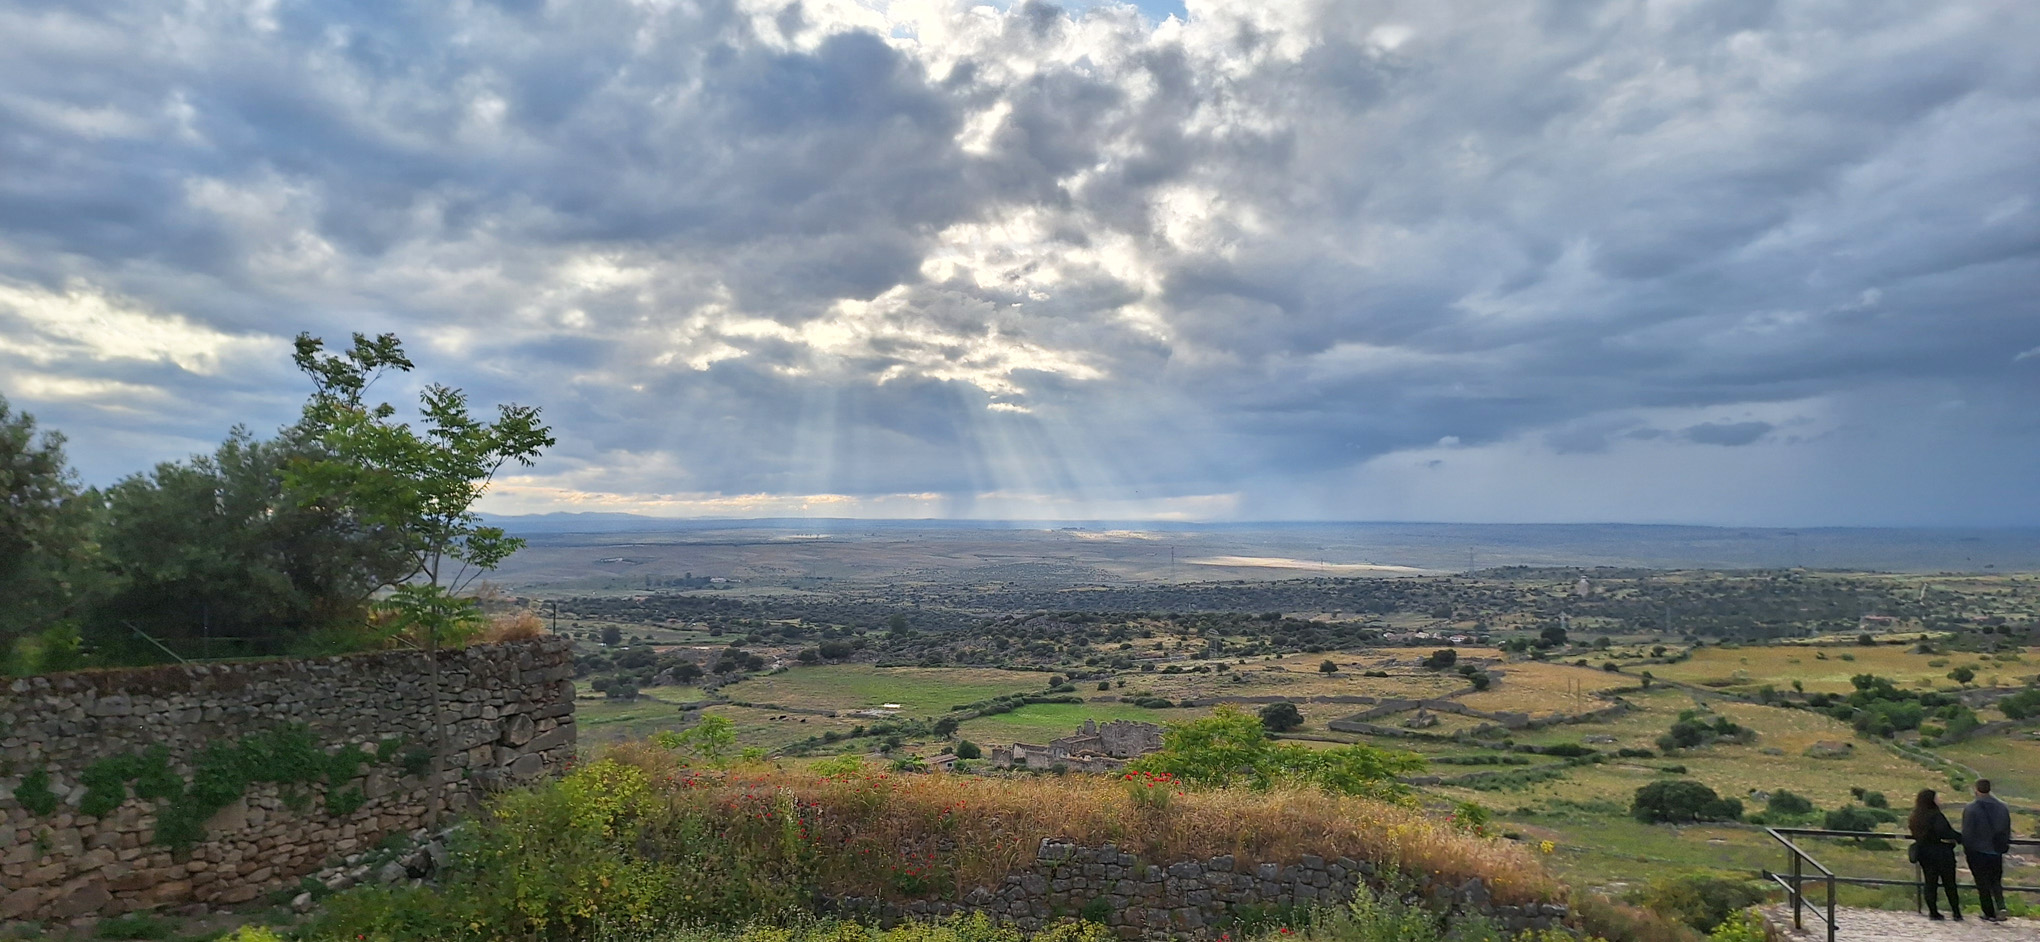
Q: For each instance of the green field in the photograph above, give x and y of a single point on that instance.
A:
(1042, 722)
(2012, 763)
(919, 691)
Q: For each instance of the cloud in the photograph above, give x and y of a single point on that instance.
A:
(1077, 256)
(1726, 433)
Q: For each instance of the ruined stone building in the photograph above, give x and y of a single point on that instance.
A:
(1094, 748)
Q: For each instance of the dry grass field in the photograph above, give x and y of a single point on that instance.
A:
(1543, 689)
(1828, 669)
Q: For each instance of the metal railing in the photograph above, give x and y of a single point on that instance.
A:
(1795, 883)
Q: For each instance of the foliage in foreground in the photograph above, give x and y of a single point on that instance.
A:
(636, 843)
(1231, 748)
(1705, 901)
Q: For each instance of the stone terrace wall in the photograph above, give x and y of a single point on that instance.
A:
(509, 715)
(1194, 899)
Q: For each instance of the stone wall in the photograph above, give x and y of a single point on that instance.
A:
(509, 715)
(1194, 899)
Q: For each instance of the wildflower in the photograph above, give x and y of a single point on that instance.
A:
(1547, 847)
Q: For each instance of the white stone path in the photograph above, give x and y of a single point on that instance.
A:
(1880, 925)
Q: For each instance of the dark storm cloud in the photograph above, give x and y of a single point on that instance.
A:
(747, 247)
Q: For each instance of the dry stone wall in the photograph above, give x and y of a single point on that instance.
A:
(1192, 899)
(509, 714)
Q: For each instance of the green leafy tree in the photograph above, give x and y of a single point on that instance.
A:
(711, 740)
(418, 486)
(1682, 800)
(1230, 748)
(219, 553)
(47, 548)
(1281, 717)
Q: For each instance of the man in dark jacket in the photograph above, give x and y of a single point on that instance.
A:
(1986, 838)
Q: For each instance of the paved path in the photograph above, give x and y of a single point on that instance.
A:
(1880, 925)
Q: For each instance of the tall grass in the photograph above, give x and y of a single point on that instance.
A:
(978, 830)
(639, 843)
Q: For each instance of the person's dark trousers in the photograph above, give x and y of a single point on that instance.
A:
(1989, 871)
(1940, 874)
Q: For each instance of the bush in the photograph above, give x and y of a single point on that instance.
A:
(1743, 926)
(1281, 717)
(1851, 818)
(1441, 659)
(1787, 803)
(1682, 800)
(1602, 918)
(969, 750)
(1700, 900)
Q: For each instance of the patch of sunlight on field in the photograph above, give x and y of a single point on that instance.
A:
(1825, 669)
(1542, 689)
(919, 691)
(1041, 722)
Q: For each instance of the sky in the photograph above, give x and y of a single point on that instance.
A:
(1703, 261)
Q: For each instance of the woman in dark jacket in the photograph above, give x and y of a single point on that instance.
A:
(1933, 847)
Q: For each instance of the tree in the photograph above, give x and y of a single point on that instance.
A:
(1441, 659)
(611, 635)
(417, 487)
(1328, 667)
(1281, 717)
(1682, 800)
(46, 546)
(219, 552)
(1963, 674)
(1230, 748)
(969, 750)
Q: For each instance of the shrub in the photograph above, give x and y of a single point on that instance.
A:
(2021, 705)
(1787, 803)
(1440, 659)
(1603, 918)
(1682, 800)
(1851, 818)
(1328, 667)
(1741, 926)
(969, 750)
(1700, 900)
(1281, 717)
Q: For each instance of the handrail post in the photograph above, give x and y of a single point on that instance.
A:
(1830, 906)
(1798, 897)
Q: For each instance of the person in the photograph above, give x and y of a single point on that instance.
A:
(1986, 838)
(1933, 848)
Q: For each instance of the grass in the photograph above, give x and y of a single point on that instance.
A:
(995, 824)
(920, 691)
(1041, 722)
(637, 844)
(2011, 762)
(1824, 669)
(1542, 689)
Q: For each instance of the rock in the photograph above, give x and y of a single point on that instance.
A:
(391, 873)
(301, 902)
(518, 730)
